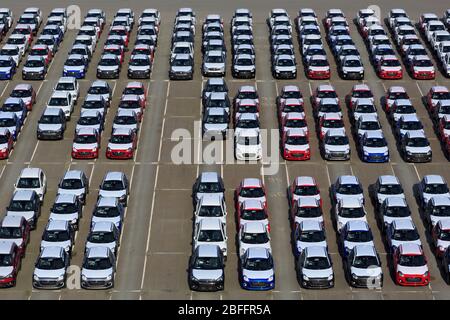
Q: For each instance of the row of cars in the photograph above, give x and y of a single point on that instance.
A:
(256, 265)
(57, 241)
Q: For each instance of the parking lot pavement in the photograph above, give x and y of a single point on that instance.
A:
(157, 233)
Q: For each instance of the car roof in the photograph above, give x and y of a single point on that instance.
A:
(23, 86)
(86, 131)
(258, 252)
(388, 179)
(254, 227)
(316, 251)
(308, 202)
(207, 250)
(107, 202)
(5, 247)
(98, 252)
(295, 132)
(351, 203)
(441, 200)
(57, 225)
(364, 250)
(377, 134)
(253, 204)
(305, 181)
(433, 178)
(445, 224)
(395, 202)
(216, 81)
(212, 199)
(113, 175)
(105, 226)
(410, 248)
(415, 134)
(357, 225)
(89, 113)
(210, 224)
(23, 194)
(11, 221)
(30, 172)
(65, 198)
(251, 183)
(310, 225)
(403, 224)
(339, 132)
(50, 252)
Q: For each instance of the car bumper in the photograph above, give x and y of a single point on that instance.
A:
(248, 156)
(139, 74)
(180, 76)
(353, 76)
(76, 74)
(375, 158)
(33, 76)
(258, 285)
(412, 281)
(208, 286)
(7, 282)
(244, 74)
(319, 75)
(390, 76)
(318, 284)
(4, 155)
(214, 73)
(119, 155)
(366, 282)
(337, 156)
(423, 76)
(48, 284)
(418, 158)
(50, 135)
(107, 74)
(297, 156)
(285, 75)
(96, 284)
(84, 155)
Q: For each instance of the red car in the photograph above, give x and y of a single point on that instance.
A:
(43, 51)
(122, 144)
(392, 94)
(86, 144)
(389, 67)
(425, 18)
(422, 68)
(15, 229)
(144, 49)
(246, 92)
(318, 68)
(6, 143)
(294, 120)
(303, 186)
(295, 145)
(132, 102)
(10, 261)
(323, 91)
(250, 188)
(245, 106)
(137, 88)
(440, 236)
(434, 95)
(26, 92)
(120, 31)
(290, 105)
(115, 50)
(410, 265)
(24, 30)
(252, 210)
(358, 91)
(329, 121)
(444, 128)
(332, 13)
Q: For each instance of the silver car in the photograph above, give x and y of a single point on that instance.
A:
(51, 267)
(181, 67)
(126, 119)
(215, 122)
(104, 234)
(98, 269)
(244, 66)
(284, 66)
(351, 67)
(115, 184)
(214, 64)
(139, 66)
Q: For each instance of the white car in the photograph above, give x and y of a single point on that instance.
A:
(12, 51)
(19, 40)
(98, 268)
(32, 179)
(367, 123)
(253, 234)
(126, 119)
(347, 187)
(57, 233)
(309, 233)
(307, 208)
(87, 41)
(63, 101)
(356, 232)
(388, 186)
(363, 267)
(393, 209)
(211, 231)
(66, 207)
(50, 269)
(349, 209)
(394, 14)
(211, 207)
(438, 37)
(401, 232)
(364, 106)
(248, 145)
(69, 85)
(432, 185)
(253, 210)
(336, 145)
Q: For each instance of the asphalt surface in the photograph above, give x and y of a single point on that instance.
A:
(157, 233)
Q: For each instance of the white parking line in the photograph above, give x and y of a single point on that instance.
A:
(4, 89)
(39, 89)
(34, 153)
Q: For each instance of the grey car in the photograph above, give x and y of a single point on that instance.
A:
(214, 63)
(52, 124)
(98, 269)
(215, 122)
(284, 66)
(206, 268)
(115, 184)
(244, 66)
(104, 234)
(51, 268)
(139, 67)
(100, 88)
(108, 67)
(34, 68)
(25, 203)
(181, 67)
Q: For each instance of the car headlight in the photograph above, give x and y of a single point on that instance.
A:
(366, 153)
(246, 279)
(35, 277)
(400, 274)
(305, 278)
(441, 248)
(270, 278)
(73, 221)
(60, 278)
(429, 152)
(354, 276)
(220, 278)
(409, 153)
(109, 277)
(330, 277)
(193, 278)
(340, 225)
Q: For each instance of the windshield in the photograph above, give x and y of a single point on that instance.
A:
(319, 63)
(370, 125)
(317, 263)
(106, 212)
(65, 208)
(411, 125)
(244, 62)
(405, 109)
(210, 236)
(253, 214)
(50, 120)
(441, 95)
(436, 188)
(121, 139)
(140, 62)
(218, 103)
(34, 63)
(247, 124)
(10, 233)
(390, 63)
(65, 86)
(441, 211)
(365, 108)
(217, 119)
(112, 185)
(97, 263)
(258, 264)
(58, 102)
(181, 62)
(423, 63)
(306, 191)
(333, 123)
(6, 63)
(311, 236)
(85, 139)
(6, 260)
(349, 189)
(209, 187)
(326, 108)
(364, 262)
(21, 205)
(125, 120)
(88, 121)
(108, 62)
(285, 62)
(412, 260)
(249, 192)
(362, 94)
(50, 263)
(352, 212)
(74, 62)
(210, 211)
(418, 142)
(390, 189)
(7, 122)
(254, 238)
(296, 140)
(295, 123)
(352, 63)
(375, 142)
(214, 59)
(406, 235)
(208, 263)
(12, 107)
(101, 237)
(28, 183)
(293, 108)
(309, 212)
(16, 40)
(248, 141)
(9, 52)
(98, 90)
(359, 236)
(56, 236)
(337, 140)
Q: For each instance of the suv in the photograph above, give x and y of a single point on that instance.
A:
(63, 101)
(115, 184)
(104, 234)
(98, 268)
(32, 179)
(51, 268)
(25, 203)
(67, 207)
(314, 268)
(52, 124)
(206, 268)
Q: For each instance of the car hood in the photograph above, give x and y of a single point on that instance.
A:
(210, 65)
(353, 69)
(207, 274)
(107, 68)
(5, 271)
(252, 275)
(358, 197)
(115, 220)
(110, 245)
(120, 146)
(84, 146)
(30, 69)
(371, 150)
(412, 270)
(371, 271)
(139, 68)
(428, 196)
(40, 273)
(18, 241)
(424, 69)
(314, 274)
(244, 246)
(391, 69)
(291, 147)
(397, 243)
(64, 244)
(418, 149)
(333, 148)
(114, 194)
(181, 68)
(244, 68)
(74, 68)
(313, 68)
(49, 127)
(5, 69)
(96, 274)
(26, 214)
(287, 68)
